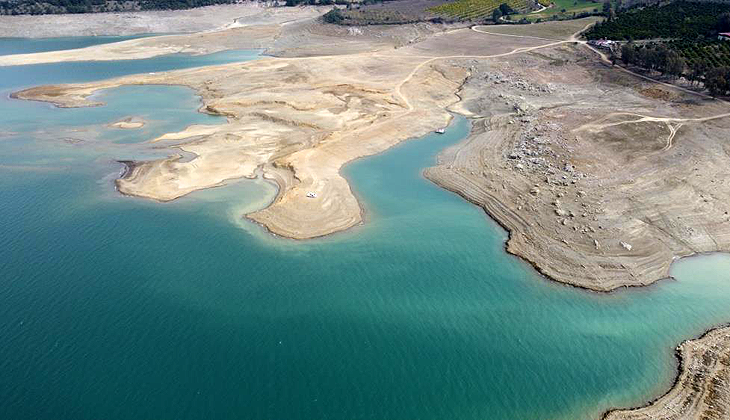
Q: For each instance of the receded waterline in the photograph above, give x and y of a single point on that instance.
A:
(418, 313)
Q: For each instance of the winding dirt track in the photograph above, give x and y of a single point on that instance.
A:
(475, 28)
(643, 118)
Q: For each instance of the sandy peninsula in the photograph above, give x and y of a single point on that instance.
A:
(702, 387)
(128, 123)
(300, 119)
(586, 166)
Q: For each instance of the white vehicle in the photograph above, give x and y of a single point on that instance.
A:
(312, 194)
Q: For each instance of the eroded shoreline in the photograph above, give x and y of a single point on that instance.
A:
(554, 168)
(540, 159)
(299, 135)
(597, 180)
(701, 387)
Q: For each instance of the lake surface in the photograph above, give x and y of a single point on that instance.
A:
(114, 307)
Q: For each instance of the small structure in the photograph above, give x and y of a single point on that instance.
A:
(441, 131)
(605, 44)
(723, 36)
(312, 194)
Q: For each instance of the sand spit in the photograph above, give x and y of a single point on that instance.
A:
(298, 119)
(128, 123)
(599, 185)
(702, 387)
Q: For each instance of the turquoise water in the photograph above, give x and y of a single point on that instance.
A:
(33, 45)
(120, 308)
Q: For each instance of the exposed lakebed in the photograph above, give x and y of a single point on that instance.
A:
(115, 307)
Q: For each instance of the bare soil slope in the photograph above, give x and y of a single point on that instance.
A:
(600, 184)
(150, 22)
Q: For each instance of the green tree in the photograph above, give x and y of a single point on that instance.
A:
(496, 14)
(675, 64)
(628, 53)
(333, 16)
(723, 23)
(506, 9)
(716, 82)
(699, 67)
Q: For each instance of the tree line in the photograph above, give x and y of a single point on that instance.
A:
(711, 71)
(681, 40)
(658, 58)
(678, 20)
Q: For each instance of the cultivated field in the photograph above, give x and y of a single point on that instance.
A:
(476, 9)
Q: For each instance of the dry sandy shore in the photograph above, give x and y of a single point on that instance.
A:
(702, 387)
(280, 34)
(257, 33)
(602, 178)
(300, 119)
(128, 123)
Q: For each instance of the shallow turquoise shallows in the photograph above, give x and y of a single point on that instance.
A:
(118, 308)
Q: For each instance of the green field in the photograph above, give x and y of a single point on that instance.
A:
(475, 9)
(563, 9)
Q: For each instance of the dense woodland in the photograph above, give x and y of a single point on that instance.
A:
(679, 20)
(677, 39)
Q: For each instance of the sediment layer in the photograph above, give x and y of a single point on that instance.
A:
(601, 180)
(297, 119)
(202, 19)
(600, 184)
(307, 117)
(701, 389)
